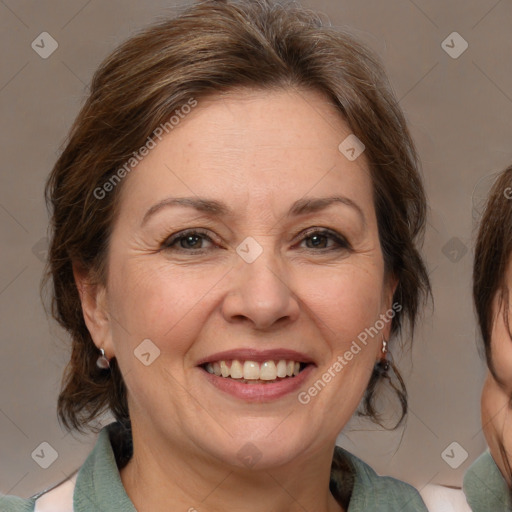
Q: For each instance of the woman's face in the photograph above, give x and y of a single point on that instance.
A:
(273, 256)
(497, 396)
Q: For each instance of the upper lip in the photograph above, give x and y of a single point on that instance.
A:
(248, 354)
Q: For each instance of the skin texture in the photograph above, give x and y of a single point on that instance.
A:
(495, 400)
(258, 152)
(496, 421)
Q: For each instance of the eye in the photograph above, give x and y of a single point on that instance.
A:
(191, 240)
(197, 240)
(324, 239)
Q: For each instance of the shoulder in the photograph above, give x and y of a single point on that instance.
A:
(484, 486)
(372, 492)
(15, 504)
(60, 497)
(55, 499)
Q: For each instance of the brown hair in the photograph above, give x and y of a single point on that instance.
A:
(211, 47)
(492, 255)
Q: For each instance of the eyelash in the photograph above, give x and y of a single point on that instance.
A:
(342, 243)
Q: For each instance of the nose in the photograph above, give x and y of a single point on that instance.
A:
(261, 295)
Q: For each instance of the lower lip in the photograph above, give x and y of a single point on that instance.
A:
(259, 392)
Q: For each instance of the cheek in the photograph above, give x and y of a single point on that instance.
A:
(502, 359)
(165, 304)
(497, 421)
(501, 346)
(345, 307)
(347, 302)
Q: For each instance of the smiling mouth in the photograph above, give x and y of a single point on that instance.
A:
(253, 372)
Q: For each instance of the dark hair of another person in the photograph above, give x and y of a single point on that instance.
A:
(492, 257)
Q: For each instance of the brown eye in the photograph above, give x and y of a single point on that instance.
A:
(325, 240)
(192, 241)
(316, 241)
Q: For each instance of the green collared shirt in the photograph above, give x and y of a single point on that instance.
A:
(485, 488)
(99, 486)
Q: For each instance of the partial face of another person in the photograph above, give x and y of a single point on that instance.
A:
(272, 256)
(497, 396)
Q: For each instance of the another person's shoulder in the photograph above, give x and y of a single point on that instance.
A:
(484, 486)
(372, 492)
(15, 504)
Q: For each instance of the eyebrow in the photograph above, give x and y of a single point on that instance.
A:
(216, 208)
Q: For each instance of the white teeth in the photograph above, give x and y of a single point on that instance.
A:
(281, 368)
(252, 371)
(268, 371)
(237, 371)
(224, 369)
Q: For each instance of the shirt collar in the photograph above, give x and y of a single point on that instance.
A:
(99, 485)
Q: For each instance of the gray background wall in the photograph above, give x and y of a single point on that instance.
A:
(460, 112)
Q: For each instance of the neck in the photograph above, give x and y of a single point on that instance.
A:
(160, 477)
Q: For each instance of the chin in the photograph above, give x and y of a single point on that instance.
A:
(261, 450)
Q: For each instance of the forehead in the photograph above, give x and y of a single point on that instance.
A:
(252, 146)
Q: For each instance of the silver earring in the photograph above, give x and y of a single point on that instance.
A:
(383, 363)
(102, 362)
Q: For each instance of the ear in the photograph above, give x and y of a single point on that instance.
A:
(93, 298)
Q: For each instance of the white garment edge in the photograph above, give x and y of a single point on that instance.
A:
(59, 498)
(439, 498)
